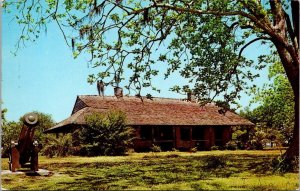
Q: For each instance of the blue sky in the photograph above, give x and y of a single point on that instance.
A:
(44, 77)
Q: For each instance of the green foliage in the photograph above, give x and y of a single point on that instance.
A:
(275, 112)
(214, 147)
(193, 150)
(106, 134)
(204, 48)
(11, 131)
(45, 121)
(3, 112)
(57, 146)
(241, 136)
(255, 138)
(155, 148)
(231, 145)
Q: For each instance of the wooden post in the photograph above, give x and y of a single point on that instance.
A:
(174, 137)
(226, 135)
(212, 136)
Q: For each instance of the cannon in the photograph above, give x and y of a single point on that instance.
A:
(24, 153)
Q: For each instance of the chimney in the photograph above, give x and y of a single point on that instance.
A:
(191, 97)
(118, 92)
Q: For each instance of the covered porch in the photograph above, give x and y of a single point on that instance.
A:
(180, 137)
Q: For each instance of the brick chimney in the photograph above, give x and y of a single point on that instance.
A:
(191, 97)
(118, 92)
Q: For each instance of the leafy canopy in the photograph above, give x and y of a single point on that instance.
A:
(275, 104)
(139, 36)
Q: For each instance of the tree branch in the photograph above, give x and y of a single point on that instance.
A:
(195, 11)
(250, 42)
(295, 4)
(291, 31)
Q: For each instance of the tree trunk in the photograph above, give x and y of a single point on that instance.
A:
(293, 149)
(292, 70)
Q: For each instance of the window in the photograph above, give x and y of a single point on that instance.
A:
(198, 133)
(146, 132)
(185, 133)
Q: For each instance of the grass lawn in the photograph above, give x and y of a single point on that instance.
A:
(231, 170)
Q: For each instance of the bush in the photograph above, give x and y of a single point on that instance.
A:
(155, 148)
(193, 150)
(59, 147)
(231, 145)
(106, 134)
(213, 148)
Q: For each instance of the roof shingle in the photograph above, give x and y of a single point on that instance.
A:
(156, 111)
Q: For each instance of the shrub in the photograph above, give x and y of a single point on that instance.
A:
(60, 147)
(231, 145)
(213, 148)
(155, 148)
(106, 134)
(193, 150)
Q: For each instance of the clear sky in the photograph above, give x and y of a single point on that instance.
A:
(44, 77)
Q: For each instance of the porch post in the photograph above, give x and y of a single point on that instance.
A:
(174, 137)
(153, 137)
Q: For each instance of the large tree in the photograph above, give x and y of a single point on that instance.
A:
(275, 110)
(202, 39)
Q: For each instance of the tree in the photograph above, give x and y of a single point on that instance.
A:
(45, 121)
(106, 134)
(276, 105)
(204, 39)
(3, 118)
(11, 131)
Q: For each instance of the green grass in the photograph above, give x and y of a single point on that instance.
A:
(238, 170)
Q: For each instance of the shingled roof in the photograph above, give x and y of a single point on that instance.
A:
(156, 111)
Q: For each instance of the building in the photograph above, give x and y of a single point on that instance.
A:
(168, 123)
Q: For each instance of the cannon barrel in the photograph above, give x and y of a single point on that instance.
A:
(25, 151)
(30, 120)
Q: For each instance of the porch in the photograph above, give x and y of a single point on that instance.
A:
(180, 137)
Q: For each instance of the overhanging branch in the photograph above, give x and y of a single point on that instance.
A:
(250, 42)
(195, 11)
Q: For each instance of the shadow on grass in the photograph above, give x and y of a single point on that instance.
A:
(158, 170)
